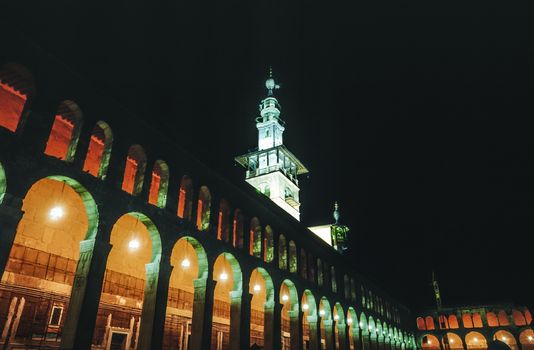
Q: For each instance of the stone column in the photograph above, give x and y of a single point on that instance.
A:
(365, 341)
(245, 318)
(277, 323)
(155, 306)
(380, 342)
(85, 295)
(342, 334)
(296, 317)
(329, 336)
(356, 336)
(312, 329)
(235, 319)
(10, 215)
(202, 313)
(268, 326)
(318, 334)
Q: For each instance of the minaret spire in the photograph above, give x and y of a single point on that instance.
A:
(270, 84)
(436, 290)
(336, 212)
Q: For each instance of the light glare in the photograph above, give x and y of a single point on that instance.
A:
(134, 244)
(285, 297)
(56, 213)
(305, 307)
(257, 288)
(186, 263)
(223, 276)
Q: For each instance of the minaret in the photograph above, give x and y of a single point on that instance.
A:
(339, 232)
(272, 169)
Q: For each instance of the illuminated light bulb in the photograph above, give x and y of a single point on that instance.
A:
(503, 338)
(256, 288)
(321, 312)
(336, 317)
(370, 327)
(134, 244)
(430, 342)
(349, 321)
(361, 324)
(285, 297)
(475, 339)
(530, 338)
(223, 276)
(186, 263)
(56, 213)
(305, 307)
(451, 341)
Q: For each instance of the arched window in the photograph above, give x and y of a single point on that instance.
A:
(303, 264)
(507, 338)
(97, 158)
(320, 280)
(363, 296)
(421, 324)
(255, 238)
(159, 184)
(519, 319)
(429, 323)
(65, 132)
(134, 170)
(269, 244)
(185, 198)
(467, 320)
(282, 252)
(453, 322)
(16, 91)
(492, 319)
(477, 320)
(238, 231)
(443, 323)
(203, 209)
(475, 340)
(430, 342)
(503, 318)
(311, 268)
(333, 277)
(293, 257)
(223, 225)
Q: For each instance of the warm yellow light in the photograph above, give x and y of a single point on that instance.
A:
(451, 341)
(186, 263)
(223, 276)
(530, 338)
(336, 317)
(305, 307)
(475, 339)
(285, 297)
(503, 338)
(56, 213)
(349, 321)
(134, 244)
(321, 312)
(430, 342)
(256, 288)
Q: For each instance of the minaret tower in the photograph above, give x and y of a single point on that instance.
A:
(271, 168)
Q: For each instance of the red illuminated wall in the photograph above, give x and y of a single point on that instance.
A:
(130, 172)
(60, 138)
(94, 156)
(11, 106)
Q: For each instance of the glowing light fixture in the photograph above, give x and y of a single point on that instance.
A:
(56, 213)
(336, 317)
(530, 338)
(305, 307)
(134, 244)
(256, 288)
(223, 276)
(504, 338)
(475, 339)
(370, 327)
(361, 324)
(349, 321)
(430, 342)
(285, 297)
(451, 341)
(321, 312)
(186, 263)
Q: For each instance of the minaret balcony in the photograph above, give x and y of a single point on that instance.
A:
(272, 169)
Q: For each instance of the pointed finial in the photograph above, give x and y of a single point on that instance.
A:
(270, 84)
(336, 212)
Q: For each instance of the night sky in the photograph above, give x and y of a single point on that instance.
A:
(415, 116)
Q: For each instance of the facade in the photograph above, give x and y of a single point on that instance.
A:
(475, 327)
(113, 238)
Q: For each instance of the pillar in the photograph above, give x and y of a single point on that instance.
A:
(312, 329)
(85, 295)
(277, 323)
(245, 318)
(342, 334)
(202, 312)
(10, 215)
(329, 336)
(268, 326)
(235, 320)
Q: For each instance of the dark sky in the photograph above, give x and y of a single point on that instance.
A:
(415, 116)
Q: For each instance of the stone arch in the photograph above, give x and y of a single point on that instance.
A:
(188, 277)
(128, 292)
(262, 308)
(134, 170)
(255, 237)
(372, 332)
(289, 315)
(430, 342)
(507, 338)
(293, 267)
(3, 183)
(227, 295)
(282, 252)
(326, 325)
(269, 244)
(185, 198)
(475, 340)
(223, 224)
(309, 320)
(60, 218)
(519, 318)
(526, 338)
(203, 209)
(452, 341)
(65, 132)
(340, 326)
(159, 184)
(97, 158)
(363, 323)
(238, 232)
(17, 89)
(352, 323)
